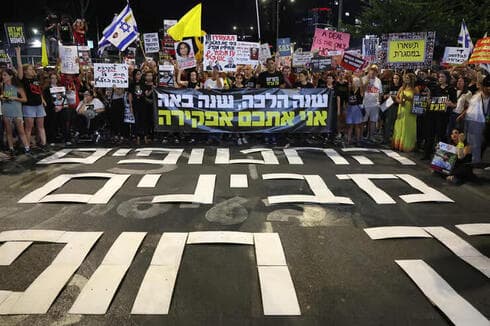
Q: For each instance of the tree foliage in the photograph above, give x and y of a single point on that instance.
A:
(442, 16)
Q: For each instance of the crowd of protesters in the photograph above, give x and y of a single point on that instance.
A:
(32, 116)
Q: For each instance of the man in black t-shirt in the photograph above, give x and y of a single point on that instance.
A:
(249, 80)
(271, 78)
(51, 34)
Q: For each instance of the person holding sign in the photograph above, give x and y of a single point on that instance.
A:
(33, 108)
(443, 99)
(461, 170)
(12, 97)
(405, 131)
(372, 91)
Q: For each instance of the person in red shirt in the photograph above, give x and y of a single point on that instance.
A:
(79, 31)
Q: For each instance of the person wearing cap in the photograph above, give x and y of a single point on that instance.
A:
(372, 91)
(477, 120)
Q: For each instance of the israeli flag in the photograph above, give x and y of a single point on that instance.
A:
(464, 37)
(121, 32)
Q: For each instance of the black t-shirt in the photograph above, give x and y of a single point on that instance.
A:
(354, 98)
(33, 91)
(51, 33)
(66, 35)
(250, 83)
(270, 80)
(342, 90)
(322, 83)
(438, 93)
(193, 84)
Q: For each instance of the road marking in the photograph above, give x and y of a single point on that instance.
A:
(122, 152)
(364, 182)
(59, 157)
(278, 293)
(393, 232)
(363, 160)
(203, 194)
(231, 237)
(268, 250)
(238, 181)
(197, 156)
(149, 181)
(475, 228)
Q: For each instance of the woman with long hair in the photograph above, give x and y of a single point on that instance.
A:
(33, 108)
(405, 131)
(13, 95)
(354, 116)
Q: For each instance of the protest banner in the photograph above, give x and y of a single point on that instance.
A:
(318, 64)
(271, 110)
(369, 46)
(455, 55)
(219, 52)
(15, 33)
(84, 57)
(184, 53)
(247, 53)
(438, 104)
(302, 59)
(325, 40)
(166, 75)
(111, 75)
(69, 59)
(481, 52)
(284, 47)
(151, 42)
(352, 62)
(406, 50)
(264, 52)
(420, 104)
(444, 158)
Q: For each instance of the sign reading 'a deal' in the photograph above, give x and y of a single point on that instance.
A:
(325, 41)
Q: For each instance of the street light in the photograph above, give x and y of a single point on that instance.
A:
(234, 28)
(35, 31)
(347, 13)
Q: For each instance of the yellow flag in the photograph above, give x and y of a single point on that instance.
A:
(188, 26)
(44, 52)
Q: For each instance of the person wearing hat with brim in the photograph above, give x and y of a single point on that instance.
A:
(477, 121)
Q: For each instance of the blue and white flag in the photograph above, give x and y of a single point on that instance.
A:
(464, 37)
(121, 32)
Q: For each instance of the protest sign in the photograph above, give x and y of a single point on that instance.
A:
(283, 62)
(438, 104)
(444, 159)
(168, 42)
(128, 115)
(406, 50)
(386, 104)
(284, 46)
(84, 58)
(318, 64)
(4, 58)
(325, 40)
(166, 76)
(184, 54)
(58, 95)
(219, 52)
(151, 42)
(481, 52)
(264, 52)
(247, 53)
(455, 56)
(111, 75)
(69, 59)
(369, 46)
(302, 59)
(352, 62)
(15, 33)
(420, 104)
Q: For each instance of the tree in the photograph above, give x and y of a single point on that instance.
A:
(443, 17)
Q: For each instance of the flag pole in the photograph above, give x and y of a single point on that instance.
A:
(142, 49)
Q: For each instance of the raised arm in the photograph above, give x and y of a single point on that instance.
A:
(20, 69)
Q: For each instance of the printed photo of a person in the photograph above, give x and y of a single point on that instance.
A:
(183, 50)
(254, 53)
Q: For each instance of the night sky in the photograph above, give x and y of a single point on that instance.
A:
(218, 16)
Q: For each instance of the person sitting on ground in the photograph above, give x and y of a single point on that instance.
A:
(88, 112)
(462, 170)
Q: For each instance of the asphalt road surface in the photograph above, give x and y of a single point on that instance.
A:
(324, 270)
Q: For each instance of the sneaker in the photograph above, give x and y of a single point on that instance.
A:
(68, 143)
(12, 153)
(244, 140)
(239, 142)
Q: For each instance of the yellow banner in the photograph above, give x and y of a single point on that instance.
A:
(406, 51)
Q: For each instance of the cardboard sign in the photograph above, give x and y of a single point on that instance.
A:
(15, 33)
(247, 53)
(166, 76)
(84, 58)
(302, 59)
(369, 47)
(325, 40)
(111, 75)
(284, 46)
(69, 59)
(264, 52)
(184, 53)
(455, 56)
(444, 159)
(220, 52)
(481, 52)
(318, 64)
(352, 62)
(151, 41)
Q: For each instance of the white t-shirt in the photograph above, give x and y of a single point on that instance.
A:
(212, 84)
(97, 105)
(372, 91)
(462, 100)
(477, 108)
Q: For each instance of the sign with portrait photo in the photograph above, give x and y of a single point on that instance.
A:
(220, 52)
(247, 53)
(184, 53)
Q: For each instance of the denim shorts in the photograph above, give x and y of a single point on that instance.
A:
(33, 111)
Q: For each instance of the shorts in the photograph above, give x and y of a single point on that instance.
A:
(372, 113)
(36, 111)
(354, 115)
